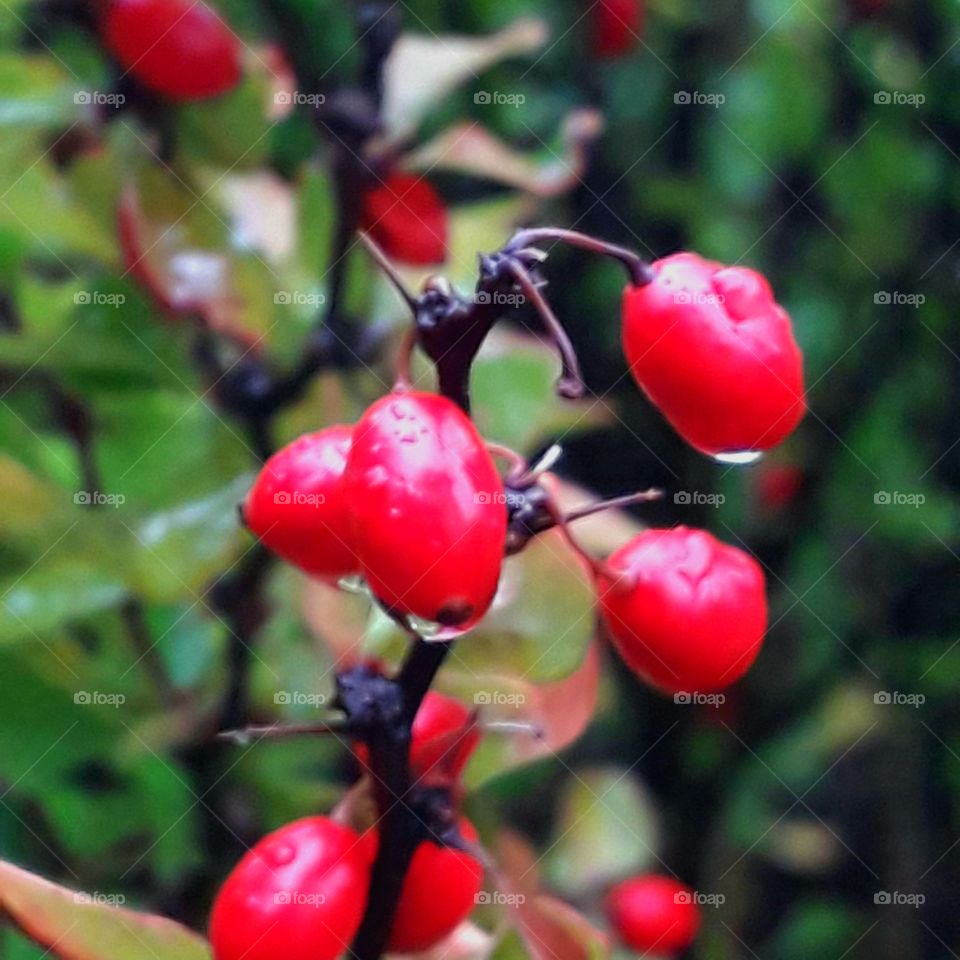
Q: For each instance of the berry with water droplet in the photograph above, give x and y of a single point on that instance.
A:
(299, 893)
(715, 353)
(428, 508)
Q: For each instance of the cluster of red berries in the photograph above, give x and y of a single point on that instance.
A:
(300, 893)
(178, 49)
(410, 500)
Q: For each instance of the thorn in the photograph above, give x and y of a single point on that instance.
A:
(616, 503)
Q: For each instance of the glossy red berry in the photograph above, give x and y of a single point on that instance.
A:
(654, 914)
(179, 49)
(688, 613)
(298, 504)
(617, 25)
(407, 217)
(439, 892)
(428, 509)
(443, 738)
(715, 353)
(300, 894)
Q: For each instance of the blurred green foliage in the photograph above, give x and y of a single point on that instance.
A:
(801, 797)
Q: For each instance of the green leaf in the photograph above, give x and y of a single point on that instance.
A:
(50, 594)
(108, 796)
(514, 399)
(606, 830)
(36, 91)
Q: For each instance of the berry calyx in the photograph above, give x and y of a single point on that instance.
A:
(686, 612)
(715, 353)
(428, 509)
(442, 738)
(654, 914)
(179, 49)
(298, 504)
(407, 218)
(617, 24)
(439, 892)
(299, 893)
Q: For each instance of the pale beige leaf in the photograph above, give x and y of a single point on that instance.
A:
(423, 70)
(471, 149)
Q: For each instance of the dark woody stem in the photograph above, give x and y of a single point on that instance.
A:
(401, 829)
(637, 268)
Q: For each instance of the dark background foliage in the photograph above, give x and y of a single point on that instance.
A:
(830, 165)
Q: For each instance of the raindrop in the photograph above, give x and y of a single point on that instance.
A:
(738, 458)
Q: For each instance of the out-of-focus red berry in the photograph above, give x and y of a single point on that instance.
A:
(443, 738)
(617, 25)
(654, 914)
(439, 892)
(407, 218)
(179, 49)
(778, 485)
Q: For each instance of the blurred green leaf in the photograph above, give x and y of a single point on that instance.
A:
(606, 830)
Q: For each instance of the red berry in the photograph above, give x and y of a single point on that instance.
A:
(300, 894)
(428, 509)
(617, 24)
(442, 738)
(298, 504)
(689, 613)
(180, 49)
(654, 913)
(439, 891)
(407, 218)
(779, 485)
(715, 352)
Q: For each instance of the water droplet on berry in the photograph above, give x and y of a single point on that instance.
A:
(281, 854)
(353, 584)
(738, 458)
